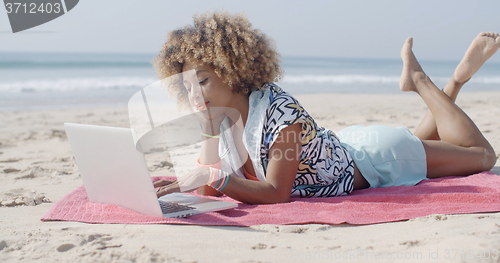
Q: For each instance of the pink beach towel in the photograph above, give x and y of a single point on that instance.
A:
(452, 195)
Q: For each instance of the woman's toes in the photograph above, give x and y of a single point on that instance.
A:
(410, 41)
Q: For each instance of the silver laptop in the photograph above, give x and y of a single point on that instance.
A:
(114, 172)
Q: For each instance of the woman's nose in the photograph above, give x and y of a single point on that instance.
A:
(196, 93)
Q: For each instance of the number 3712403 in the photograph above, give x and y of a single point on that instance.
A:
(33, 8)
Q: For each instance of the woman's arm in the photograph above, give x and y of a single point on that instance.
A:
(284, 157)
(282, 168)
(209, 155)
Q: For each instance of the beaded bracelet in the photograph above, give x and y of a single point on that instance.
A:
(218, 179)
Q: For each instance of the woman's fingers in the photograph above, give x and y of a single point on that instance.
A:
(168, 189)
(162, 182)
(161, 192)
(187, 182)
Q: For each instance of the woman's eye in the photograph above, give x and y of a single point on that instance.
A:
(203, 81)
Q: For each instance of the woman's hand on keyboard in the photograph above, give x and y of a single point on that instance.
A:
(185, 183)
(166, 187)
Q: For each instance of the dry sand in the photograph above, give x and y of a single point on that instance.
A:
(37, 168)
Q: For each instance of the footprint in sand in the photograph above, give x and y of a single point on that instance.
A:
(11, 170)
(293, 229)
(37, 171)
(262, 246)
(435, 217)
(58, 134)
(26, 136)
(19, 197)
(65, 247)
(100, 241)
(266, 227)
(411, 243)
(10, 160)
(63, 159)
(3, 245)
(324, 228)
(439, 217)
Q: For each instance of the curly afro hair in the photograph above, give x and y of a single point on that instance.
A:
(243, 57)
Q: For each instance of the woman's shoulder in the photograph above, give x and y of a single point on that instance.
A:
(278, 96)
(283, 107)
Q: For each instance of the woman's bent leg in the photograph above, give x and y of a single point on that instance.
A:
(461, 139)
(481, 49)
(446, 159)
(427, 129)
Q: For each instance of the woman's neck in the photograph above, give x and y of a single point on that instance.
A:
(241, 103)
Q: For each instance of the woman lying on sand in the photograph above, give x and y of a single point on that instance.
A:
(286, 152)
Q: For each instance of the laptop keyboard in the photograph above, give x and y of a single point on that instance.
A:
(169, 207)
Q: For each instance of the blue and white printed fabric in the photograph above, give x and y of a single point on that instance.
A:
(325, 168)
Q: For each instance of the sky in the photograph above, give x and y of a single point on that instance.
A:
(442, 30)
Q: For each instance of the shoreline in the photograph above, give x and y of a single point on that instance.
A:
(120, 102)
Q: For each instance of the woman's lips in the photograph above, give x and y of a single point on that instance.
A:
(201, 106)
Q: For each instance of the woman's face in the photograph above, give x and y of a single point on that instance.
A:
(205, 89)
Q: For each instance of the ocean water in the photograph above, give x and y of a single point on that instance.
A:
(31, 81)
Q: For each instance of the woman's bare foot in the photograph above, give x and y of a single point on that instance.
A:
(411, 68)
(481, 49)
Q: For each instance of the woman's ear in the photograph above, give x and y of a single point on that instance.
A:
(232, 87)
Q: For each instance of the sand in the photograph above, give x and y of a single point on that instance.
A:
(37, 168)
